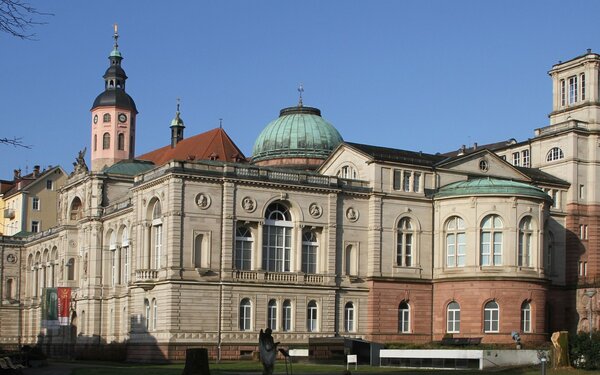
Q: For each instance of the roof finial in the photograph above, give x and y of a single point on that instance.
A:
(220, 123)
(178, 102)
(116, 36)
(300, 90)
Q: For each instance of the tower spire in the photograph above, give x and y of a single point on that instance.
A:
(177, 127)
(116, 37)
(300, 90)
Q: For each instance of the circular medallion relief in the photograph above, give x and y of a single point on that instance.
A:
(315, 210)
(203, 200)
(11, 258)
(352, 214)
(249, 204)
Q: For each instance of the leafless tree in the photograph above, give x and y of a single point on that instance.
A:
(17, 142)
(18, 16)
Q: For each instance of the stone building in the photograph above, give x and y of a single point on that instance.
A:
(194, 244)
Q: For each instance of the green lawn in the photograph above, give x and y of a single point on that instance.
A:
(241, 367)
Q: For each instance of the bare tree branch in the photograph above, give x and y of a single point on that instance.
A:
(18, 16)
(16, 142)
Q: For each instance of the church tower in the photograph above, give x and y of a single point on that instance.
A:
(113, 117)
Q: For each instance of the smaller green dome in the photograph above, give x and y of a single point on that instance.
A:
(299, 132)
(490, 186)
(115, 53)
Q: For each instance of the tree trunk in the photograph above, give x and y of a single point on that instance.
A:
(196, 362)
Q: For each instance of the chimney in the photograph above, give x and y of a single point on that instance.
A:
(36, 170)
(475, 146)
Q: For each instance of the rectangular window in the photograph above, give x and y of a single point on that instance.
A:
(582, 76)
(461, 250)
(516, 159)
(35, 226)
(485, 248)
(555, 203)
(584, 268)
(583, 232)
(526, 319)
(416, 182)
(581, 191)
(49, 185)
(525, 158)
(35, 203)
(406, 181)
(397, 179)
(573, 90)
(580, 268)
(287, 317)
(563, 93)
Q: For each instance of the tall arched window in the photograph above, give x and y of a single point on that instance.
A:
(106, 141)
(555, 153)
(526, 317)
(146, 314)
(456, 242)
(403, 317)
(121, 141)
(404, 247)
(525, 235)
(309, 251)
(76, 209)
(154, 314)
(113, 258)
(277, 238)
(453, 317)
(125, 255)
(243, 248)
(272, 315)
(491, 241)
(349, 317)
(311, 317)
(245, 315)
(491, 317)
(71, 269)
(157, 237)
(287, 316)
(351, 260)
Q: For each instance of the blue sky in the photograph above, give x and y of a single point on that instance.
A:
(420, 75)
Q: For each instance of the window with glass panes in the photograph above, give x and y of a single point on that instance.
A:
(272, 315)
(456, 242)
(286, 320)
(404, 317)
(491, 241)
(404, 247)
(453, 317)
(311, 317)
(526, 317)
(245, 315)
(309, 252)
(243, 248)
(349, 317)
(277, 239)
(525, 235)
(491, 317)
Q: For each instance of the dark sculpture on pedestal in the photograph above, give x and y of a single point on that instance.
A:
(268, 351)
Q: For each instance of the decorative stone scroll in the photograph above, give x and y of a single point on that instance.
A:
(249, 204)
(203, 201)
(315, 210)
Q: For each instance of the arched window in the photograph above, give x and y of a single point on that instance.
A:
(491, 317)
(525, 236)
(491, 241)
(453, 317)
(311, 317)
(71, 269)
(287, 316)
(157, 235)
(347, 172)
(106, 141)
(243, 248)
(404, 247)
(526, 317)
(272, 315)
(113, 258)
(154, 314)
(310, 247)
(349, 317)
(555, 153)
(403, 317)
(106, 117)
(245, 315)
(125, 255)
(277, 238)
(146, 314)
(456, 242)
(198, 250)
(121, 141)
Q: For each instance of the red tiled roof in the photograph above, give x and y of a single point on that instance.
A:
(214, 144)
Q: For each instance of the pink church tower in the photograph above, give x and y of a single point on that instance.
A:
(113, 117)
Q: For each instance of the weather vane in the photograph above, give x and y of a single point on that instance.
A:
(300, 90)
(178, 102)
(220, 123)
(116, 35)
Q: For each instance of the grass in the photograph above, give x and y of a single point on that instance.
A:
(248, 367)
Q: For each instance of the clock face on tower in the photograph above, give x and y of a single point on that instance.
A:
(95, 119)
(122, 117)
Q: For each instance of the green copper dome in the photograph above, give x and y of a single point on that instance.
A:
(490, 186)
(299, 132)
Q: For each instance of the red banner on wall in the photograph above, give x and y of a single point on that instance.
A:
(64, 305)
